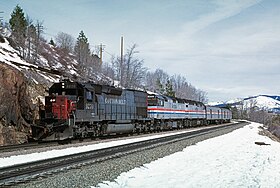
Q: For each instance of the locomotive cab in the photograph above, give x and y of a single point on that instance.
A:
(67, 102)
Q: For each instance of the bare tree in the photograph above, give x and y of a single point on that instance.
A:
(1, 24)
(158, 81)
(65, 41)
(108, 71)
(202, 96)
(39, 29)
(131, 72)
(30, 36)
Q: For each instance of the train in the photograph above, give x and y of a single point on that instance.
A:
(77, 110)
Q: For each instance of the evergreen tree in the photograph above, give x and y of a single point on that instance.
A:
(18, 24)
(52, 42)
(159, 86)
(18, 21)
(169, 89)
(82, 50)
(83, 54)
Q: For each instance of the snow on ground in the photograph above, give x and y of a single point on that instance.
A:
(231, 160)
(19, 159)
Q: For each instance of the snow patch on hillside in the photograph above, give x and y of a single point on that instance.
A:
(9, 56)
(266, 102)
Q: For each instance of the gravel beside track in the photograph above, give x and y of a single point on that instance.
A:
(93, 174)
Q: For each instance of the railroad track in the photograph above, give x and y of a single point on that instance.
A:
(26, 146)
(35, 145)
(12, 175)
(16, 147)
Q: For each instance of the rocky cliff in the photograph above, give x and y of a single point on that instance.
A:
(16, 108)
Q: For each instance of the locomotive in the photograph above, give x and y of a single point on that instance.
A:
(80, 110)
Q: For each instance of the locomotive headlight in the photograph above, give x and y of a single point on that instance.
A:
(52, 100)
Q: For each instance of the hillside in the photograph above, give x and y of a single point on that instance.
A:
(23, 86)
(269, 103)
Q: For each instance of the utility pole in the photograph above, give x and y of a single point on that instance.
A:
(121, 67)
(101, 48)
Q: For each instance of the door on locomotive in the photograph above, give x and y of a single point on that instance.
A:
(86, 102)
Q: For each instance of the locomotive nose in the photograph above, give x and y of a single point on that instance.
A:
(62, 107)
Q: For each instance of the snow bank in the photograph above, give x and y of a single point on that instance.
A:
(231, 160)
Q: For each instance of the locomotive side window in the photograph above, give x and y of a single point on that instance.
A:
(160, 102)
(80, 99)
(152, 101)
(89, 96)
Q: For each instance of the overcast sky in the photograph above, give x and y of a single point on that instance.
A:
(228, 48)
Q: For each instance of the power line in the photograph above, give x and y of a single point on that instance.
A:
(109, 53)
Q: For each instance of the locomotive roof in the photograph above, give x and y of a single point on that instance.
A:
(106, 88)
(226, 108)
(98, 89)
(88, 86)
(102, 88)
